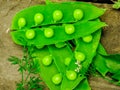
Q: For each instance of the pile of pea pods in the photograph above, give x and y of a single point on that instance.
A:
(66, 40)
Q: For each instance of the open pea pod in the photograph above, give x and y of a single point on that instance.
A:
(46, 70)
(51, 28)
(82, 55)
(55, 13)
(59, 33)
(62, 57)
(81, 67)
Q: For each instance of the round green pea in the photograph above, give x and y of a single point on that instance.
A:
(79, 56)
(71, 75)
(60, 44)
(69, 29)
(87, 39)
(39, 47)
(48, 32)
(57, 79)
(30, 34)
(67, 61)
(38, 18)
(47, 60)
(78, 14)
(57, 15)
(21, 22)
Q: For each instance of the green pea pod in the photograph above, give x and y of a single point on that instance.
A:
(105, 63)
(85, 48)
(84, 85)
(99, 61)
(60, 54)
(113, 62)
(52, 28)
(100, 65)
(116, 76)
(70, 85)
(19, 37)
(42, 15)
(46, 72)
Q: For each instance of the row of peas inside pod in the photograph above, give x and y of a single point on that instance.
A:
(65, 37)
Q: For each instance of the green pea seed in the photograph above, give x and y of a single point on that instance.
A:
(71, 75)
(38, 18)
(39, 47)
(60, 44)
(87, 38)
(67, 61)
(79, 56)
(57, 15)
(69, 29)
(47, 60)
(48, 32)
(21, 22)
(57, 79)
(78, 14)
(30, 34)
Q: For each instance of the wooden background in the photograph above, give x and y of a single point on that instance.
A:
(8, 73)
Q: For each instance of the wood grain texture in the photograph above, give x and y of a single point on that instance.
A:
(8, 73)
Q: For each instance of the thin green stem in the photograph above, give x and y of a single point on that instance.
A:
(27, 77)
(22, 78)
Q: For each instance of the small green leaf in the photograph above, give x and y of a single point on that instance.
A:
(14, 60)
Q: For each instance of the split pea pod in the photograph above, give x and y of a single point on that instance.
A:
(55, 13)
(47, 68)
(51, 28)
(62, 57)
(57, 32)
(85, 48)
